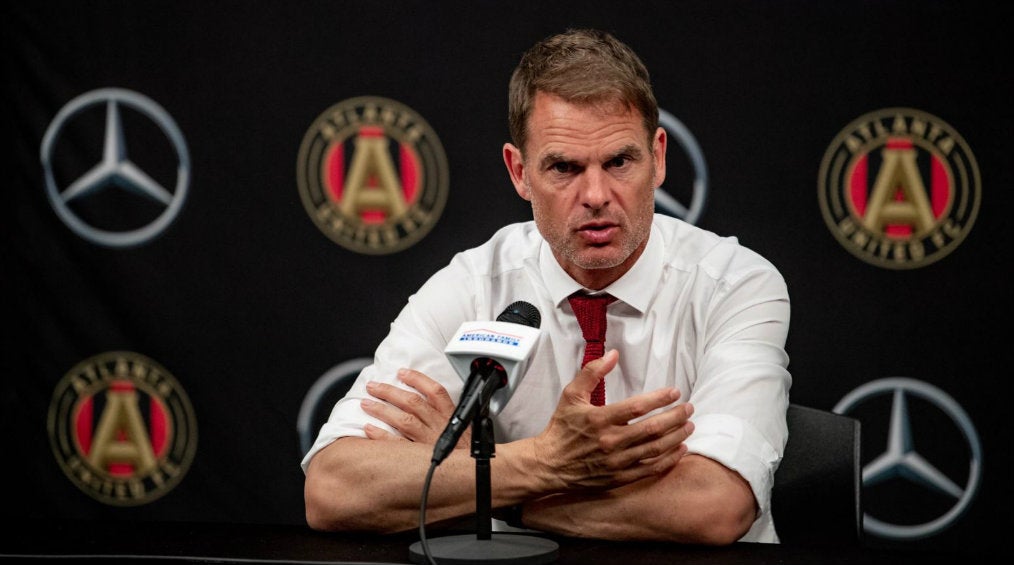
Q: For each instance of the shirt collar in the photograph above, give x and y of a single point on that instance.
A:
(635, 287)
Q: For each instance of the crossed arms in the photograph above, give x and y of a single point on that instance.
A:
(589, 473)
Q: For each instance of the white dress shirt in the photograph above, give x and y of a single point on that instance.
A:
(697, 312)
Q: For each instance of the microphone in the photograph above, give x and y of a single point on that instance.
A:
(491, 357)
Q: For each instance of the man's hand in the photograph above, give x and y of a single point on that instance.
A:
(420, 414)
(586, 446)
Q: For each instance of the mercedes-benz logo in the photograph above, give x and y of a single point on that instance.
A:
(667, 203)
(902, 460)
(115, 169)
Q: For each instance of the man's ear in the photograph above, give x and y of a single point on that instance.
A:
(658, 156)
(516, 169)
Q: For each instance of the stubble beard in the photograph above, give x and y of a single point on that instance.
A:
(633, 232)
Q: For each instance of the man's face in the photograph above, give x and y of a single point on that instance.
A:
(590, 172)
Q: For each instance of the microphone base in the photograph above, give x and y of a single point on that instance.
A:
(502, 549)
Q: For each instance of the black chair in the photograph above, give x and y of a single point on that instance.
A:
(816, 498)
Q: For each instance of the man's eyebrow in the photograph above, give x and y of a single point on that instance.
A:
(633, 150)
(553, 157)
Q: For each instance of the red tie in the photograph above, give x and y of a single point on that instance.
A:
(591, 315)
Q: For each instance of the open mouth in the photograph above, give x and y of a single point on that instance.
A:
(598, 233)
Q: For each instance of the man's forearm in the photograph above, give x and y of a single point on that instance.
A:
(699, 501)
(365, 485)
(359, 484)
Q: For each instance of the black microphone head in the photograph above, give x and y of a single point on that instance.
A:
(521, 312)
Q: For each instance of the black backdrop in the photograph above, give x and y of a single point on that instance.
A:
(246, 303)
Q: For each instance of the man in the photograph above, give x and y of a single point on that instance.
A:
(696, 327)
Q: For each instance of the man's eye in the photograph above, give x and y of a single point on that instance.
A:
(560, 167)
(618, 161)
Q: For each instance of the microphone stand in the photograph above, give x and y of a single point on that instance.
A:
(483, 449)
(484, 547)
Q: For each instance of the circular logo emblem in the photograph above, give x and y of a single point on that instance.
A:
(685, 204)
(899, 188)
(122, 428)
(151, 193)
(372, 175)
(918, 475)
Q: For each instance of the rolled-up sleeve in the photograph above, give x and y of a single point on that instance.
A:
(741, 392)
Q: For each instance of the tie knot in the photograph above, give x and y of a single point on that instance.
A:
(590, 311)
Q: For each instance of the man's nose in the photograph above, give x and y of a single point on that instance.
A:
(594, 189)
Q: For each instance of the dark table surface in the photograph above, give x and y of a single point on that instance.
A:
(147, 542)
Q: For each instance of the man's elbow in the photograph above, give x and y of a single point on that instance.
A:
(327, 513)
(320, 509)
(725, 520)
(324, 511)
(317, 520)
(719, 506)
(319, 517)
(727, 526)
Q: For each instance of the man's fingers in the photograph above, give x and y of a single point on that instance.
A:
(406, 423)
(654, 467)
(419, 412)
(635, 407)
(672, 423)
(373, 432)
(659, 447)
(649, 458)
(407, 400)
(431, 389)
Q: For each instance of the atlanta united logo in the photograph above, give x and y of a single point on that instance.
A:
(122, 429)
(899, 188)
(372, 175)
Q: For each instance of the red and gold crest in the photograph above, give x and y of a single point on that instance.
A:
(899, 188)
(122, 428)
(372, 175)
